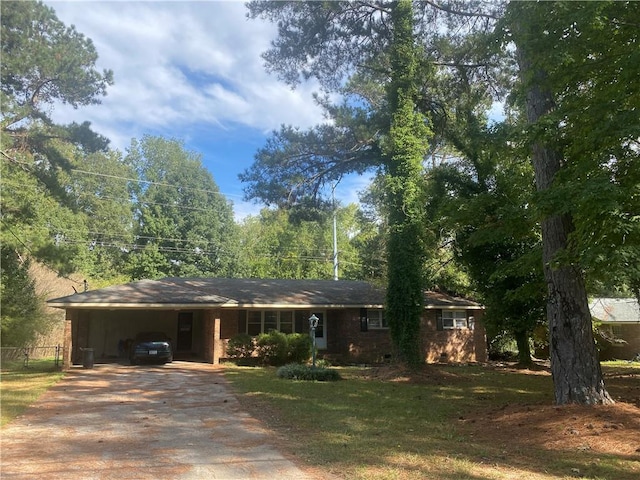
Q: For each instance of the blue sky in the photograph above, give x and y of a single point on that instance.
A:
(190, 71)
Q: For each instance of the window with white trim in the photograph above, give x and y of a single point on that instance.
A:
(255, 322)
(454, 319)
(376, 319)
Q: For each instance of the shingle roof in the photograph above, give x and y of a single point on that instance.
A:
(615, 310)
(242, 292)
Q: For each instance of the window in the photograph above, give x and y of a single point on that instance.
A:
(255, 322)
(270, 321)
(454, 319)
(376, 319)
(286, 322)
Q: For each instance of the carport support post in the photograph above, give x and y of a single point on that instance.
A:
(217, 343)
(67, 344)
(212, 345)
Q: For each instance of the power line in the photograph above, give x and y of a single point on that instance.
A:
(147, 202)
(149, 182)
(128, 248)
(39, 259)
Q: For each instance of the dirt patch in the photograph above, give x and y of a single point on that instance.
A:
(427, 374)
(602, 429)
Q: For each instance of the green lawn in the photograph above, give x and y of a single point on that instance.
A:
(363, 428)
(21, 386)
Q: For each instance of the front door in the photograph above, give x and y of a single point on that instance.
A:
(321, 336)
(185, 332)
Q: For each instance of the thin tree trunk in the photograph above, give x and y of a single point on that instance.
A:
(524, 349)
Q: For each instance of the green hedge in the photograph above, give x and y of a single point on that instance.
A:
(299, 348)
(273, 348)
(240, 346)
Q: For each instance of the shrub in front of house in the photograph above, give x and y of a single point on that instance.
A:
(298, 371)
(272, 348)
(298, 348)
(240, 347)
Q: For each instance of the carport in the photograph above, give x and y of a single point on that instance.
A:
(109, 331)
(103, 320)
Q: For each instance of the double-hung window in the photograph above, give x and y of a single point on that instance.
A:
(255, 322)
(454, 319)
(376, 319)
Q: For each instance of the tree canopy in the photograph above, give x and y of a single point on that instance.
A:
(185, 226)
(552, 63)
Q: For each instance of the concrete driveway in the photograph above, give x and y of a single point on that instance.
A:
(176, 421)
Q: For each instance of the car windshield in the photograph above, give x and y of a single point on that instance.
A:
(152, 337)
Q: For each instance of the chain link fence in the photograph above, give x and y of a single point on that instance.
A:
(28, 353)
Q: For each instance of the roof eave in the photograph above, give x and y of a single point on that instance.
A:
(204, 306)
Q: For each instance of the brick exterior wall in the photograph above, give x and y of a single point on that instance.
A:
(457, 345)
(347, 342)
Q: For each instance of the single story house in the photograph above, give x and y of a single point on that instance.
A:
(202, 314)
(619, 327)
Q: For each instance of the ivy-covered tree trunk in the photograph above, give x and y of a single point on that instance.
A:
(404, 152)
(577, 376)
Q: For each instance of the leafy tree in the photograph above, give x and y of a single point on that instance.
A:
(484, 202)
(23, 318)
(591, 76)
(295, 168)
(43, 62)
(100, 186)
(404, 150)
(480, 197)
(328, 41)
(569, 59)
(185, 226)
(556, 89)
(279, 244)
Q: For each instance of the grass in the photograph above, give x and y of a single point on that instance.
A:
(20, 386)
(362, 428)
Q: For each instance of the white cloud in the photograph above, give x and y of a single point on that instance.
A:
(189, 70)
(179, 64)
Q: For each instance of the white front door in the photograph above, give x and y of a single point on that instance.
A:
(321, 331)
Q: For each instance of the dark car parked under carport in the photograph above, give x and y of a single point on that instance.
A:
(151, 347)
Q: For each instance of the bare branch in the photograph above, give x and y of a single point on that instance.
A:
(444, 8)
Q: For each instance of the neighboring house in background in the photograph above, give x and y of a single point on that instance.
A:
(619, 327)
(202, 314)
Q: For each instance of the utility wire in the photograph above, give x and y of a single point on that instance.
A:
(149, 182)
(39, 260)
(132, 247)
(147, 202)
